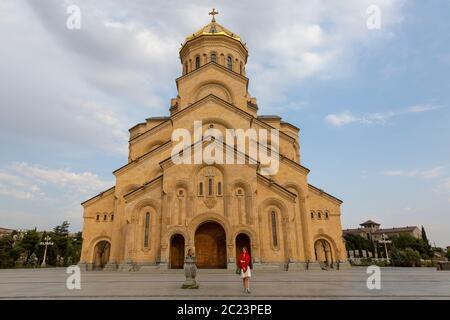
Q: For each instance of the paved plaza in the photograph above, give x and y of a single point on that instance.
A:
(396, 283)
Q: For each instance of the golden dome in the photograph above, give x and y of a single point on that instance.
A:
(214, 29)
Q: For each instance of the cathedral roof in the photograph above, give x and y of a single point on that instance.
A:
(214, 29)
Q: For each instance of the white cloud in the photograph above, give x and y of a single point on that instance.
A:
(346, 117)
(11, 179)
(341, 119)
(397, 173)
(422, 108)
(32, 182)
(434, 172)
(313, 39)
(445, 186)
(431, 173)
(83, 183)
(16, 193)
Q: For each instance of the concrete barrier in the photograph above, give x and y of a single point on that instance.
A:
(443, 265)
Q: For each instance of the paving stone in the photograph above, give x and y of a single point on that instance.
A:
(396, 283)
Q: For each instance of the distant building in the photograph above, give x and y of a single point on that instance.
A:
(5, 232)
(372, 231)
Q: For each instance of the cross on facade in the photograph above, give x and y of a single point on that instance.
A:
(385, 241)
(46, 243)
(213, 13)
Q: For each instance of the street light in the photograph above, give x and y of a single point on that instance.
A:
(385, 241)
(46, 243)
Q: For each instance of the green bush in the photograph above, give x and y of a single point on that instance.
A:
(365, 262)
(405, 258)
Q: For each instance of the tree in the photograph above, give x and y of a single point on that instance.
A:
(77, 242)
(62, 244)
(405, 258)
(404, 241)
(63, 229)
(356, 242)
(424, 236)
(30, 242)
(6, 248)
(412, 257)
(448, 254)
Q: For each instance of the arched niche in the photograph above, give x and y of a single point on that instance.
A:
(218, 89)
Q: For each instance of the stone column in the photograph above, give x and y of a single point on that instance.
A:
(231, 260)
(249, 209)
(127, 265)
(163, 261)
(305, 221)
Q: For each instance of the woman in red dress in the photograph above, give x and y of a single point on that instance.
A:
(244, 264)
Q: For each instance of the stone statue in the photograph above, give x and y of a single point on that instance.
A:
(190, 271)
(33, 260)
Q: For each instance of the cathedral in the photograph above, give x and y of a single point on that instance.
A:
(158, 209)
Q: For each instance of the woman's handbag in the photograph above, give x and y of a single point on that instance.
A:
(238, 271)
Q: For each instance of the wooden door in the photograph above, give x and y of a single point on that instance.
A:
(177, 252)
(210, 246)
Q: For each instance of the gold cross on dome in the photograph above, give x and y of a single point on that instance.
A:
(213, 13)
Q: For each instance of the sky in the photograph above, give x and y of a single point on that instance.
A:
(372, 103)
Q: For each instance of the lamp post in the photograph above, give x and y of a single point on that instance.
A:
(385, 241)
(46, 243)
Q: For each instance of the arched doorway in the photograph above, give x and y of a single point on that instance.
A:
(176, 260)
(210, 246)
(101, 254)
(324, 254)
(243, 240)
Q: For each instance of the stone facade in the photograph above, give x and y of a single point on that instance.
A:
(158, 210)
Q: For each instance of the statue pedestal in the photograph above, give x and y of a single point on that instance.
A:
(190, 284)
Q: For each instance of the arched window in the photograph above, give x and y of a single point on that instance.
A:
(112, 217)
(104, 217)
(319, 215)
(197, 62)
(210, 187)
(230, 63)
(312, 215)
(326, 215)
(200, 189)
(98, 217)
(185, 68)
(219, 188)
(146, 229)
(210, 182)
(273, 216)
(214, 57)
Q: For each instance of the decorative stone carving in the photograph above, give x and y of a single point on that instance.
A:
(210, 203)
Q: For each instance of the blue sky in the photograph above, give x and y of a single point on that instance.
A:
(372, 105)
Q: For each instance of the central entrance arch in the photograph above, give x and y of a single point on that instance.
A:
(210, 246)
(101, 254)
(176, 252)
